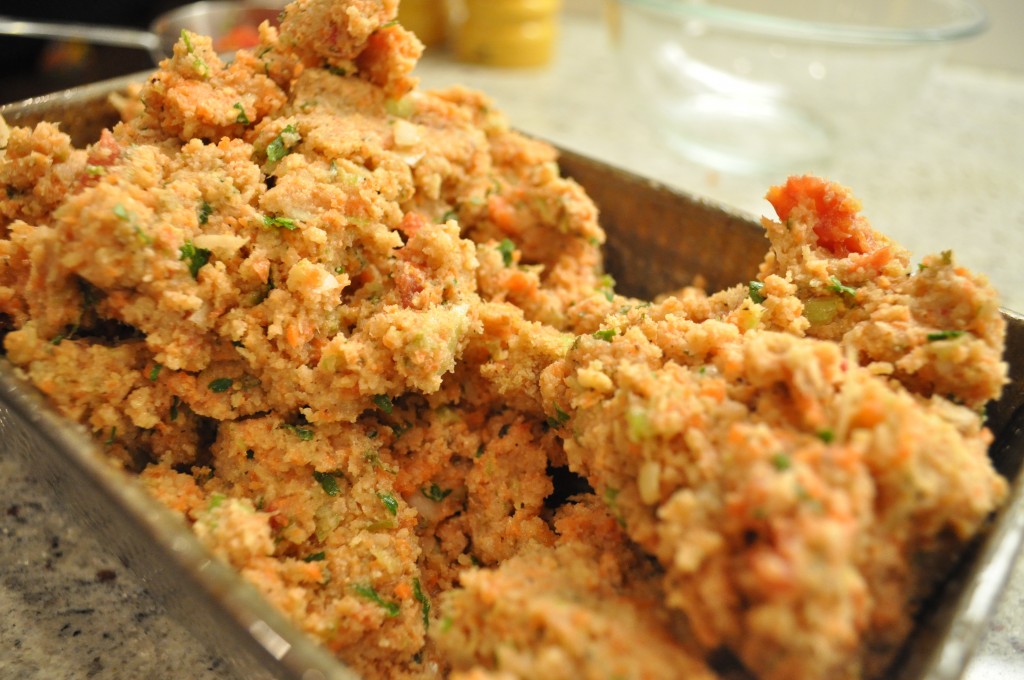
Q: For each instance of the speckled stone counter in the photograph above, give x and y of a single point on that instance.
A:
(948, 176)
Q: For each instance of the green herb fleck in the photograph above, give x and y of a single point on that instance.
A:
(383, 402)
(241, 117)
(450, 215)
(155, 372)
(221, 385)
(205, 210)
(280, 222)
(606, 285)
(435, 493)
(197, 63)
(944, 335)
(389, 502)
(368, 592)
(197, 257)
(279, 148)
(175, 402)
(327, 482)
(113, 436)
(605, 334)
(121, 213)
(303, 433)
(504, 430)
(837, 286)
(781, 462)
(315, 557)
(757, 292)
(337, 71)
(506, 248)
(611, 495)
(827, 436)
(559, 419)
(417, 592)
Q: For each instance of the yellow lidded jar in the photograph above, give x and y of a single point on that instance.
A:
(428, 19)
(510, 33)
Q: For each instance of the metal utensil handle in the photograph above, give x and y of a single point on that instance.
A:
(103, 35)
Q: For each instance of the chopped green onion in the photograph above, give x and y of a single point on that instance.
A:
(559, 419)
(327, 482)
(781, 462)
(315, 557)
(944, 335)
(155, 372)
(303, 433)
(605, 334)
(280, 222)
(389, 502)
(383, 402)
(836, 286)
(197, 257)
(757, 292)
(279, 148)
(417, 592)
(435, 493)
(221, 384)
(241, 117)
(205, 210)
(506, 248)
(121, 213)
(368, 592)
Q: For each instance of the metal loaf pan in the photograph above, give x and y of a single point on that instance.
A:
(658, 239)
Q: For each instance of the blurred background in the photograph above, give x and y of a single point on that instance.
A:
(29, 66)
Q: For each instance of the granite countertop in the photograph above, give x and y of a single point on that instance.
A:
(947, 176)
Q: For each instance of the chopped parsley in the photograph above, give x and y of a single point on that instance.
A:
(383, 402)
(605, 334)
(241, 117)
(280, 222)
(368, 592)
(757, 292)
(327, 482)
(417, 592)
(610, 496)
(435, 493)
(155, 372)
(781, 462)
(281, 146)
(197, 257)
(389, 502)
(944, 335)
(506, 248)
(827, 436)
(315, 557)
(221, 385)
(837, 286)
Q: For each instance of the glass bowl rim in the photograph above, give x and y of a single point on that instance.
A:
(970, 20)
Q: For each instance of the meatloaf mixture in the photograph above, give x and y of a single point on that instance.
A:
(359, 337)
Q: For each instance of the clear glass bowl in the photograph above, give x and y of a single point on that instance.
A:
(761, 85)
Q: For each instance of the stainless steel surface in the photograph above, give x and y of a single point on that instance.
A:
(653, 232)
(214, 19)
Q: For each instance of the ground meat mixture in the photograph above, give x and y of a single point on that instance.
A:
(359, 336)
